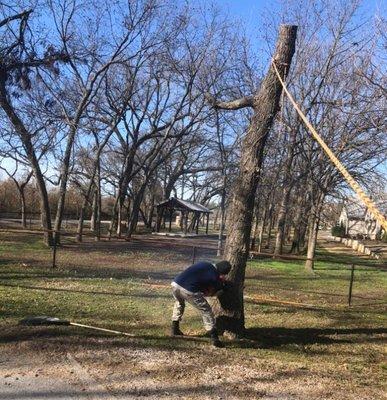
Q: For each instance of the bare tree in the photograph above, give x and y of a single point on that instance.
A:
(230, 313)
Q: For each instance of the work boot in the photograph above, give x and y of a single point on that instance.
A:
(215, 339)
(175, 330)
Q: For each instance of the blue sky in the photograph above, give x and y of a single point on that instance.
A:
(255, 14)
(250, 11)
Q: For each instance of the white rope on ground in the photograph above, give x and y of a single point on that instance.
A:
(351, 181)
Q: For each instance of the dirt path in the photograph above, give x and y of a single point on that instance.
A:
(49, 376)
(112, 368)
(325, 241)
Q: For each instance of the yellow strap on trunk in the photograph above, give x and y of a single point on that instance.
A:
(354, 185)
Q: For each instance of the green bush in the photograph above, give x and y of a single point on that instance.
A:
(338, 230)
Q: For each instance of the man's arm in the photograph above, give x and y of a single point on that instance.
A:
(217, 287)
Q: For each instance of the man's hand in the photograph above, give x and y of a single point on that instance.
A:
(209, 292)
(227, 286)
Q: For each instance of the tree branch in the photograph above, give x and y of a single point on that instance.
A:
(22, 15)
(247, 101)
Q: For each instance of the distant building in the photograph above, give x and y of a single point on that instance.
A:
(358, 221)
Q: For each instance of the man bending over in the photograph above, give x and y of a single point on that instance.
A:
(192, 285)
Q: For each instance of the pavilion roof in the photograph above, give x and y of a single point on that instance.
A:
(183, 205)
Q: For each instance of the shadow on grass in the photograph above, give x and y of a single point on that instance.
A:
(93, 292)
(70, 337)
(87, 272)
(276, 337)
(267, 287)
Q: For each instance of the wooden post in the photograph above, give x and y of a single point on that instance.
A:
(351, 285)
(197, 222)
(208, 220)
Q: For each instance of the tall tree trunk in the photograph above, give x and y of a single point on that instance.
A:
(80, 222)
(261, 230)
(295, 248)
(312, 239)
(256, 225)
(123, 185)
(313, 231)
(222, 215)
(270, 226)
(93, 218)
(119, 217)
(230, 309)
(25, 138)
(287, 188)
(151, 211)
(215, 220)
(23, 209)
(83, 208)
(99, 204)
(283, 210)
(135, 210)
(64, 175)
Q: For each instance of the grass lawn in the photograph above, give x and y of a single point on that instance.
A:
(302, 340)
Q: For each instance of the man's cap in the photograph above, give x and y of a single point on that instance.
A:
(223, 267)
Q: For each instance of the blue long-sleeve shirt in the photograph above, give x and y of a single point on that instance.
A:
(199, 277)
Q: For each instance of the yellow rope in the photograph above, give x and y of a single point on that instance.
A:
(354, 185)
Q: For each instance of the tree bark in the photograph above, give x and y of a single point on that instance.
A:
(23, 209)
(25, 138)
(93, 218)
(136, 210)
(283, 210)
(287, 188)
(313, 231)
(261, 230)
(230, 309)
(256, 225)
(295, 248)
(270, 226)
(64, 176)
(312, 239)
(222, 217)
(80, 223)
(97, 228)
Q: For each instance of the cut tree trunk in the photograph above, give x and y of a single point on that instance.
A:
(229, 311)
